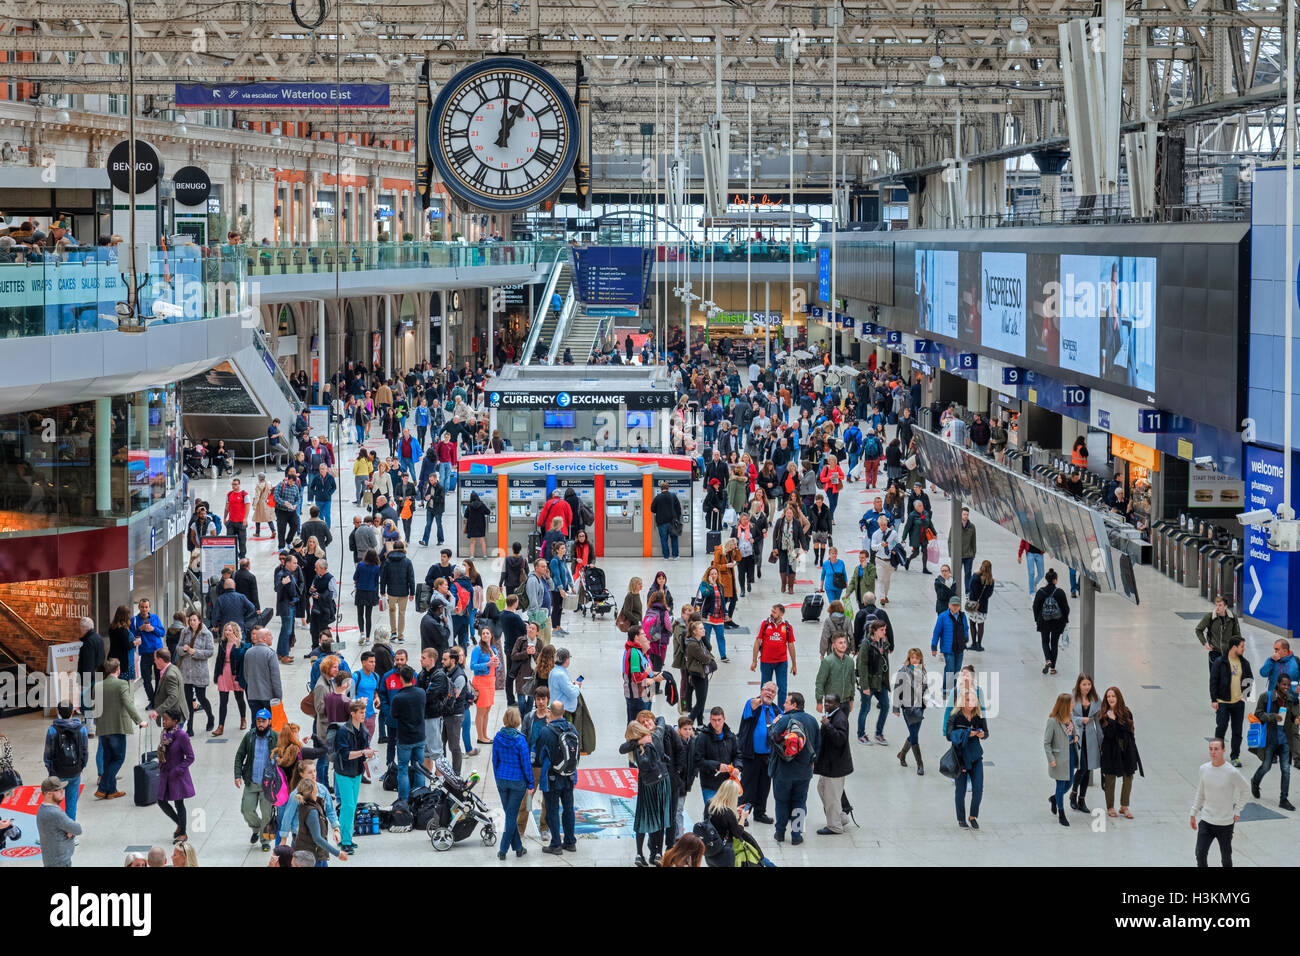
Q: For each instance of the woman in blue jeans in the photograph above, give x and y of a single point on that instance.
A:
(965, 733)
(713, 605)
(909, 703)
(1058, 742)
(513, 769)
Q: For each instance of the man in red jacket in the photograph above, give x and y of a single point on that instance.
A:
(556, 507)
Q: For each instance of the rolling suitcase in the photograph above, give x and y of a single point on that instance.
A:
(712, 539)
(422, 592)
(534, 546)
(812, 607)
(146, 774)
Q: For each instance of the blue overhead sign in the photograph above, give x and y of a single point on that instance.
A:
(824, 275)
(893, 337)
(1013, 375)
(353, 96)
(1076, 396)
(1268, 577)
(967, 361)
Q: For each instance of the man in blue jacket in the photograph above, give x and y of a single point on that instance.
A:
(408, 449)
(321, 491)
(793, 750)
(949, 639)
(147, 635)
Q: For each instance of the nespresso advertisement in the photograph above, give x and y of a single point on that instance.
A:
(1002, 302)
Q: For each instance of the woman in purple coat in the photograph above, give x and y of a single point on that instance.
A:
(175, 755)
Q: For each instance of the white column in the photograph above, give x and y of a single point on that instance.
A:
(323, 377)
(492, 292)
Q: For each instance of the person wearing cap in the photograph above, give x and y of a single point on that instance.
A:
(250, 760)
(949, 639)
(58, 831)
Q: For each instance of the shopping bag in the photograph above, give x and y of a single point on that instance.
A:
(1256, 734)
(729, 517)
(932, 551)
(571, 601)
(858, 472)
(278, 717)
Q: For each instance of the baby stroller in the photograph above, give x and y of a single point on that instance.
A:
(194, 460)
(599, 600)
(457, 810)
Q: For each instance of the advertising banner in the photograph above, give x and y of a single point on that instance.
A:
(1269, 577)
(1002, 302)
(1080, 313)
(218, 391)
(936, 291)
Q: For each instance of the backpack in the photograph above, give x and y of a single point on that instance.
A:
(273, 783)
(871, 448)
(566, 746)
(793, 741)
(332, 744)
(399, 817)
(521, 592)
(710, 837)
(67, 754)
(1051, 609)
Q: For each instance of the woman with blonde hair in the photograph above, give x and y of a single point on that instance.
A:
(289, 754)
(980, 589)
(184, 854)
(909, 703)
(645, 745)
(381, 483)
(632, 610)
(968, 728)
(1058, 744)
(741, 849)
(312, 825)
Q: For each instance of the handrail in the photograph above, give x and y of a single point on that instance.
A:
(530, 343)
(567, 313)
(263, 345)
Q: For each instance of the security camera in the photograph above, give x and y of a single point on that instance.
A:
(168, 310)
(1204, 461)
(1252, 519)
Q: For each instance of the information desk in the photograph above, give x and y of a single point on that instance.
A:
(619, 488)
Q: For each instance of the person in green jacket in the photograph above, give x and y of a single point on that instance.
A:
(1216, 629)
(837, 675)
(251, 756)
(873, 680)
(738, 489)
(117, 718)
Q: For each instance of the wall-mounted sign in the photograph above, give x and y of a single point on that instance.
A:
(1152, 421)
(1135, 452)
(192, 186)
(893, 337)
(635, 401)
(1076, 396)
(148, 167)
(1013, 375)
(967, 361)
(921, 346)
(743, 318)
(1207, 488)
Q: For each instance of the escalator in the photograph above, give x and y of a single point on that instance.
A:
(559, 289)
(238, 398)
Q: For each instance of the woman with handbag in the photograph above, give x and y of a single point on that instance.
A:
(894, 461)
(758, 528)
(744, 536)
(789, 540)
(561, 584)
(821, 519)
(1059, 745)
(977, 604)
(1083, 714)
(195, 647)
(483, 664)
(361, 471)
(909, 703)
(227, 672)
(365, 581)
(1119, 753)
(965, 734)
(645, 744)
(632, 611)
(175, 757)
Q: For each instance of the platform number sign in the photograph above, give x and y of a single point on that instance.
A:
(1151, 421)
(893, 337)
(1076, 396)
(967, 361)
(1013, 376)
(921, 346)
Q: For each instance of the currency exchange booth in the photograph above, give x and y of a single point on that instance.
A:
(619, 487)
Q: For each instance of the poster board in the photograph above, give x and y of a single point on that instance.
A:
(217, 553)
(62, 680)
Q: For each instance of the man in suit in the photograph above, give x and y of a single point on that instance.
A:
(170, 695)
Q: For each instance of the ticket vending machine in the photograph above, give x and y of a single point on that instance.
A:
(526, 497)
(487, 488)
(623, 507)
(681, 487)
(586, 491)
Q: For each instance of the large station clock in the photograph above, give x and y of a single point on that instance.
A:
(503, 134)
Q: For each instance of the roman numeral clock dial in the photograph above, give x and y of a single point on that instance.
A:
(504, 134)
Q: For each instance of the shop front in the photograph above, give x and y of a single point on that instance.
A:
(1136, 466)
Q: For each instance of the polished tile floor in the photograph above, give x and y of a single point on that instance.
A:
(1149, 651)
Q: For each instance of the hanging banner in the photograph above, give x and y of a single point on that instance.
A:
(352, 96)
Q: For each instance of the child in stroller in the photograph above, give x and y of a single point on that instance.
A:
(194, 460)
(599, 600)
(458, 810)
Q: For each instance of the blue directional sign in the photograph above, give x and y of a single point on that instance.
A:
(350, 96)
(1152, 421)
(1013, 375)
(968, 361)
(893, 337)
(921, 346)
(1269, 577)
(1076, 396)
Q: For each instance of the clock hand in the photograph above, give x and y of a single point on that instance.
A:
(512, 113)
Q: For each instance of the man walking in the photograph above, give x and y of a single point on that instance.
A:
(286, 605)
(1230, 680)
(833, 765)
(261, 672)
(774, 649)
(949, 639)
(961, 546)
(558, 747)
(795, 740)
(235, 517)
(90, 664)
(1276, 710)
(116, 706)
(250, 760)
(67, 750)
(288, 493)
(1220, 795)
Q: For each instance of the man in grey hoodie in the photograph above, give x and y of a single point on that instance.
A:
(58, 831)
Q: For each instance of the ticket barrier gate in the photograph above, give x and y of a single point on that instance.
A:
(487, 487)
(623, 511)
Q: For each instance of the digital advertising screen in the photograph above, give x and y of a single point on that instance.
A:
(1003, 301)
(936, 291)
(1080, 308)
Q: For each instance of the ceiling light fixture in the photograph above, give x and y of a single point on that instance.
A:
(824, 129)
(887, 101)
(1019, 44)
(851, 116)
(935, 77)
(802, 142)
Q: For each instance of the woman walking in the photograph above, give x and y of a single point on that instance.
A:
(699, 665)
(743, 533)
(712, 604)
(967, 730)
(195, 647)
(1083, 715)
(483, 664)
(758, 523)
(365, 581)
(312, 826)
(831, 479)
(224, 667)
(977, 603)
(789, 540)
(1119, 753)
(652, 796)
(361, 471)
(263, 513)
(121, 645)
(175, 757)
(820, 517)
(632, 611)
(909, 703)
(512, 767)
(1058, 745)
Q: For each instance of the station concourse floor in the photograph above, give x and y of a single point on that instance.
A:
(1149, 651)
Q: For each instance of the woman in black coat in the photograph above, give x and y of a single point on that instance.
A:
(1119, 753)
(575, 508)
(476, 518)
(894, 460)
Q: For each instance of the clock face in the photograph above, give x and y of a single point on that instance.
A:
(503, 134)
